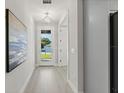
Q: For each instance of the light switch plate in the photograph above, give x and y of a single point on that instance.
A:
(72, 50)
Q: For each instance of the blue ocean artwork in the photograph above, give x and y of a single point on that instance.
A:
(17, 46)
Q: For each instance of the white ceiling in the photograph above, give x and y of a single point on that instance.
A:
(55, 10)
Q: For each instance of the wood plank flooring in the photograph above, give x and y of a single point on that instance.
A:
(47, 80)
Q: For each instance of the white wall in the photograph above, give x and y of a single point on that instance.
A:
(38, 27)
(76, 67)
(73, 45)
(17, 79)
(80, 48)
(96, 45)
(113, 4)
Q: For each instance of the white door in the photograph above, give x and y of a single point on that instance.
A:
(63, 46)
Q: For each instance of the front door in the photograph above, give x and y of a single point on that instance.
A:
(45, 46)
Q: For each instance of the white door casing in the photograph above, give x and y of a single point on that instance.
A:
(40, 62)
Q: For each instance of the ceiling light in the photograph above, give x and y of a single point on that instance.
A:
(47, 18)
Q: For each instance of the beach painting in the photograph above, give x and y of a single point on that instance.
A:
(17, 42)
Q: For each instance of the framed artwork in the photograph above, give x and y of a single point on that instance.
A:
(16, 41)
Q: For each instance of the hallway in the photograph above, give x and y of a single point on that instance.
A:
(47, 80)
(58, 46)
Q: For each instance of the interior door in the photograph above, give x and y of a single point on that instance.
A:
(63, 46)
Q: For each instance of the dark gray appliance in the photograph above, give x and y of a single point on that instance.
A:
(114, 52)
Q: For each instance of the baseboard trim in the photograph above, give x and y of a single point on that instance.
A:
(26, 82)
(74, 89)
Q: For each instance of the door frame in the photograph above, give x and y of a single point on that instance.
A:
(38, 45)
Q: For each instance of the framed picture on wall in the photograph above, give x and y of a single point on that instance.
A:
(16, 41)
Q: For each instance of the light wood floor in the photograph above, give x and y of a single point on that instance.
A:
(47, 80)
(63, 71)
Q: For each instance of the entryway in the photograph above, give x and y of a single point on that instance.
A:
(45, 45)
